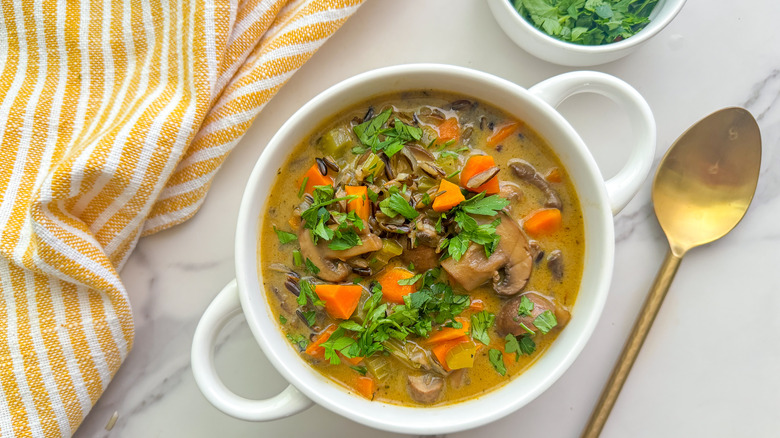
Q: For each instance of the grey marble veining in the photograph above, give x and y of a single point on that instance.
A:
(709, 366)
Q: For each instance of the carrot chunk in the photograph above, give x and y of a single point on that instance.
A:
(501, 133)
(543, 222)
(340, 299)
(554, 175)
(359, 205)
(314, 349)
(448, 130)
(449, 333)
(477, 305)
(451, 197)
(440, 350)
(391, 290)
(366, 386)
(475, 165)
(313, 177)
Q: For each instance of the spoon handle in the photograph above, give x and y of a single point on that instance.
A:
(633, 344)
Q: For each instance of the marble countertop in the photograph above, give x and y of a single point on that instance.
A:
(710, 364)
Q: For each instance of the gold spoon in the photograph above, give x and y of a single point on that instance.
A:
(701, 191)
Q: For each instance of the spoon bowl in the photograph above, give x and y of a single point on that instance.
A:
(707, 179)
(702, 189)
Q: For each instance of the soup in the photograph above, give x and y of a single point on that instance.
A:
(422, 248)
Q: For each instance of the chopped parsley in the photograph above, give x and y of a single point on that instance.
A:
(302, 189)
(396, 204)
(525, 307)
(410, 281)
(480, 324)
(311, 267)
(307, 295)
(375, 136)
(497, 360)
(519, 345)
(471, 231)
(298, 340)
(284, 236)
(282, 320)
(591, 22)
(545, 321)
(310, 316)
(360, 370)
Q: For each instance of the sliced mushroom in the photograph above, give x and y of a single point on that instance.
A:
(509, 267)
(555, 264)
(330, 268)
(510, 191)
(424, 233)
(509, 321)
(459, 378)
(426, 388)
(482, 177)
(526, 172)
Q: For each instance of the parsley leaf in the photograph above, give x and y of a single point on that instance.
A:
(307, 295)
(372, 134)
(345, 240)
(519, 345)
(480, 324)
(497, 360)
(310, 316)
(360, 370)
(395, 204)
(527, 345)
(410, 281)
(545, 321)
(525, 307)
(298, 340)
(485, 206)
(284, 236)
(311, 267)
(282, 320)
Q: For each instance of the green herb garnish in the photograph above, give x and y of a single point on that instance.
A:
(311, 267)
(307, 295)
(297, 258)
(497, 360)
(522, 345)
(282, 320)
(545, 321)
(395, 204)
(374, 135)
(284, 236)
(525, 307)
(298, 340)
(480, 324)
(360, 370)
(587, 22)
(303, 186)
(410, 281)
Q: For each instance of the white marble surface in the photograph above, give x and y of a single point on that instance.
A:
(710, 364)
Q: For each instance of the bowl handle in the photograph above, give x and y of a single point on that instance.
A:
(225, 306)
(626, 183)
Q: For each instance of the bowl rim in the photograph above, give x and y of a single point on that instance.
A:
(426, 420)
(667, 9)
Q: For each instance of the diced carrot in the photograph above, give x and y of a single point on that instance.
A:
(315, 178)
(448, 130)
(366, 386)
(440, 350)
(340, 299)
(554, 175)
(542, 222)
(295, 222)
(359, 205)
(391, 290)
(351, 360)
(449, 333)
(314, 349)
(477, 306)
(451, 197)
(501, 133)
(475, 165)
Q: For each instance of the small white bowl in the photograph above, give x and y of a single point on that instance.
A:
(543, 46)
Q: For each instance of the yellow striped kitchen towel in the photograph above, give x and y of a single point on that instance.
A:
(114, 117)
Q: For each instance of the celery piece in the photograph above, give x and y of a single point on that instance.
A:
(373, 165)
(379, 366)
(425, 183)
(390, 249)
(336, 141)
(462, 355)
(449, 164)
